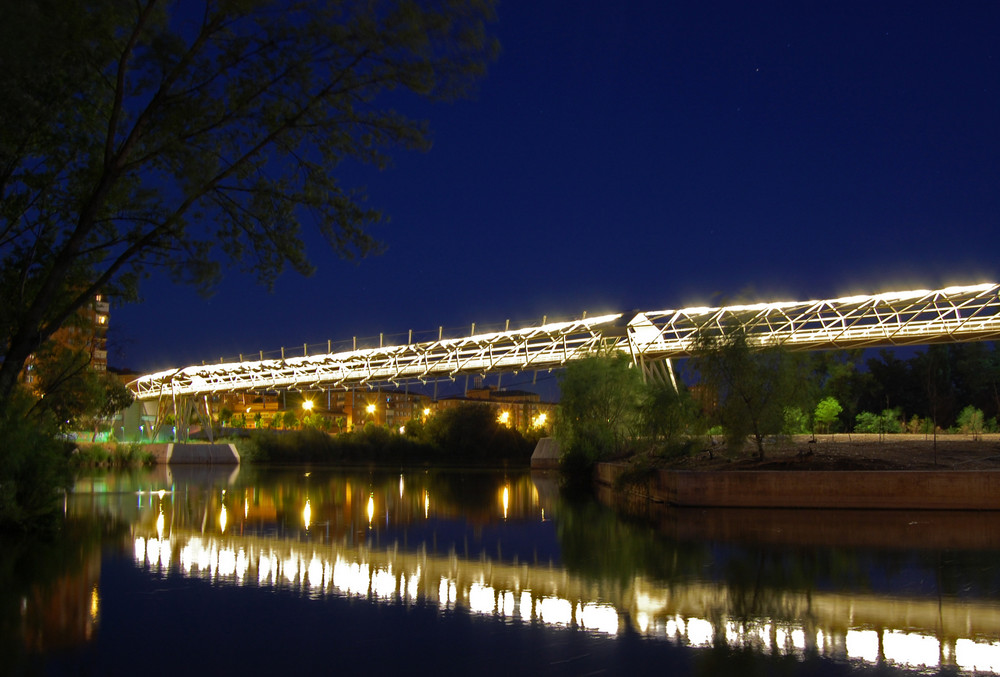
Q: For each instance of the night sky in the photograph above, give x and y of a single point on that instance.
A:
(652, 155)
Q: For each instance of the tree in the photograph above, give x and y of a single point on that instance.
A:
(668, 414)
(599, 411)
(113, 397)
(473, 431)
(881, 424)
(752, 385)
(64, 386)
(149, 135)
(827, 412)
(970, 421)
(796, 422)
(842, 379)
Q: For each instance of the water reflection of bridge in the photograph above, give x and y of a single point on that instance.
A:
(909, 632)
(418, 539)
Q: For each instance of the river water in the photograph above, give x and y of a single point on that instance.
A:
(319, 571)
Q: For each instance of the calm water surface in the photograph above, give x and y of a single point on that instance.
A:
(199, 571)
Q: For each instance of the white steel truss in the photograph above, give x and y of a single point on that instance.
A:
(954, 314)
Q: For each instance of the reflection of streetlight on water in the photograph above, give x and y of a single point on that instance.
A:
(371, 509)
(223, 515)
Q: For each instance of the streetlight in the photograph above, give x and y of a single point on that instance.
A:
(306, 404)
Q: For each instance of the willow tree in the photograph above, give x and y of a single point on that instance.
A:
(146, 135)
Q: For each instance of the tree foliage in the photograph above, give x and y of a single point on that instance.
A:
(752, 385)
(886, 422)
(607, 410)
(827, 412)
(970, 421)
(33, 465)
(471, 431)
(599, 407)
(142, 135)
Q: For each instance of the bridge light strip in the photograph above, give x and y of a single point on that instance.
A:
(965, 313)
(322, 572)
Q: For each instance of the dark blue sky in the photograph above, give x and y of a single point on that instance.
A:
(653, 155)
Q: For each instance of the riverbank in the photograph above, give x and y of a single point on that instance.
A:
(854, 452)
(894, 472)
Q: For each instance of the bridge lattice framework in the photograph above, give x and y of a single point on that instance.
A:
(651, 338)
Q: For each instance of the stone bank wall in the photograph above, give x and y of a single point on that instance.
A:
(194, 453)
(888, 489)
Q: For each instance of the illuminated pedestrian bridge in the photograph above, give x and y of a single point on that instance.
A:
(651, 338)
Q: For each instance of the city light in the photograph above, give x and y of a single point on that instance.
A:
(306, 404)
(504, 417)
(95, 602)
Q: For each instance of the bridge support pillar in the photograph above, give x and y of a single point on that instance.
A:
(658, 371)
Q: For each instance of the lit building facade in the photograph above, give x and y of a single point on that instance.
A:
(87, 332)
(519, 409)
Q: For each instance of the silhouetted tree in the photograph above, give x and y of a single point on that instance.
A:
(153, 135)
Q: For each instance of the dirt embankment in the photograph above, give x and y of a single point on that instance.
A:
(855, 452)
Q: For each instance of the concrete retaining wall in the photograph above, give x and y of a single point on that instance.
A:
(206, 454)
(546, 454)
(888, 489)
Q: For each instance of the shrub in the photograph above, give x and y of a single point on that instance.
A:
(970, 421)
(886, 422)
(796, 422)
(462, 436)
(827, 412)
(33, 468)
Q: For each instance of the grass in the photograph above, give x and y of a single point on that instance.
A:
(115, 455)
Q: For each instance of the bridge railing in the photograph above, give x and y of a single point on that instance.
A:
(898, 318)
(383, 340)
